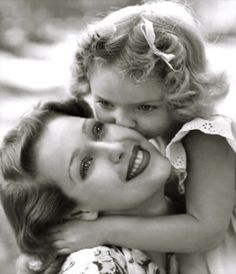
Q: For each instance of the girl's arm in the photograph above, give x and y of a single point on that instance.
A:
(210, 193)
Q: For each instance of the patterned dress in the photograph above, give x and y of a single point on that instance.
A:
(109, 260)
(221, 260)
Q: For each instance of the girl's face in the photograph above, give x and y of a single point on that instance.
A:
(140, 106)
(102, 166)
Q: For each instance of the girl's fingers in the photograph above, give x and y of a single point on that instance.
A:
(59, 244)
(64, 251)
(55, 230)
(62, 247)
(56, 237)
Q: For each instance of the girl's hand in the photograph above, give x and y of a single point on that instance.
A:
(75, 235)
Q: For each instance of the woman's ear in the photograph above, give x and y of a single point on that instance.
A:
(84, 215)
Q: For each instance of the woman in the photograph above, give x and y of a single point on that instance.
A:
(53, 165)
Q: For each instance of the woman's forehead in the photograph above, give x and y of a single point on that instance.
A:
(63, 123)
(55, 147)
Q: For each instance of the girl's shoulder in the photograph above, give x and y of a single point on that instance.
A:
(200, 137)
(215, 125)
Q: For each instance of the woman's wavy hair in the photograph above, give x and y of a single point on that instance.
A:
(31, 206)
(190, 88)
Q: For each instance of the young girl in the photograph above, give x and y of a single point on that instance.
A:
(145, 68)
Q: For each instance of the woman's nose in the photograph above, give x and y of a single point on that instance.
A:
(123, 118)
(114, 151)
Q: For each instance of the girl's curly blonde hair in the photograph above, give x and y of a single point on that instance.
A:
(190, 88)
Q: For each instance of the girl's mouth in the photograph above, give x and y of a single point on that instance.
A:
(139, 160)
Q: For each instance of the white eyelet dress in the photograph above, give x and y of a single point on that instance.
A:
(221, 260)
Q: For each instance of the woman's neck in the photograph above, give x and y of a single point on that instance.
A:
(155, 206)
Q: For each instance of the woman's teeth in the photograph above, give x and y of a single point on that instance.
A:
(139, 160)
(137, 163)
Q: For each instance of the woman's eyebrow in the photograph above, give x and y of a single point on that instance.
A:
(73, 156)
(76, 152)
(85, 126)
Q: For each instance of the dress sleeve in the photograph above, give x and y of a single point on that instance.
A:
(216, 125)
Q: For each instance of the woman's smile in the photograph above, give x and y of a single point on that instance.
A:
(118, 165)
(139, 160)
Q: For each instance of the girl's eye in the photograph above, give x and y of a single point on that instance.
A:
(98, 130)
(105, 104)
(85, 166)
(146, 108)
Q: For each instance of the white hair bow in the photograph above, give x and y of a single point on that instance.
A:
(149, 34)
(105, 29)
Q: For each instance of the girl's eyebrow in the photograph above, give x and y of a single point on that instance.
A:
(137, 103)
(149, 102)
(98, 97)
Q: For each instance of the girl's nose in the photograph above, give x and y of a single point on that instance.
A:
(123, 118)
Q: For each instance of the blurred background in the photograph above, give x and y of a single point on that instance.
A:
(37, 40)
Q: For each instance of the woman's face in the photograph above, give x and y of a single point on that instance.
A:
(102, 166)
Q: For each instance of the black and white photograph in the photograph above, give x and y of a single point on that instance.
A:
(117, 137)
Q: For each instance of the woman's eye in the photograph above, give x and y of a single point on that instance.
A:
(85, 166)
(146, 108)
(98, 130)
(105, 104)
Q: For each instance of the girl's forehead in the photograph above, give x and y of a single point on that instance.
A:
(108, 83)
